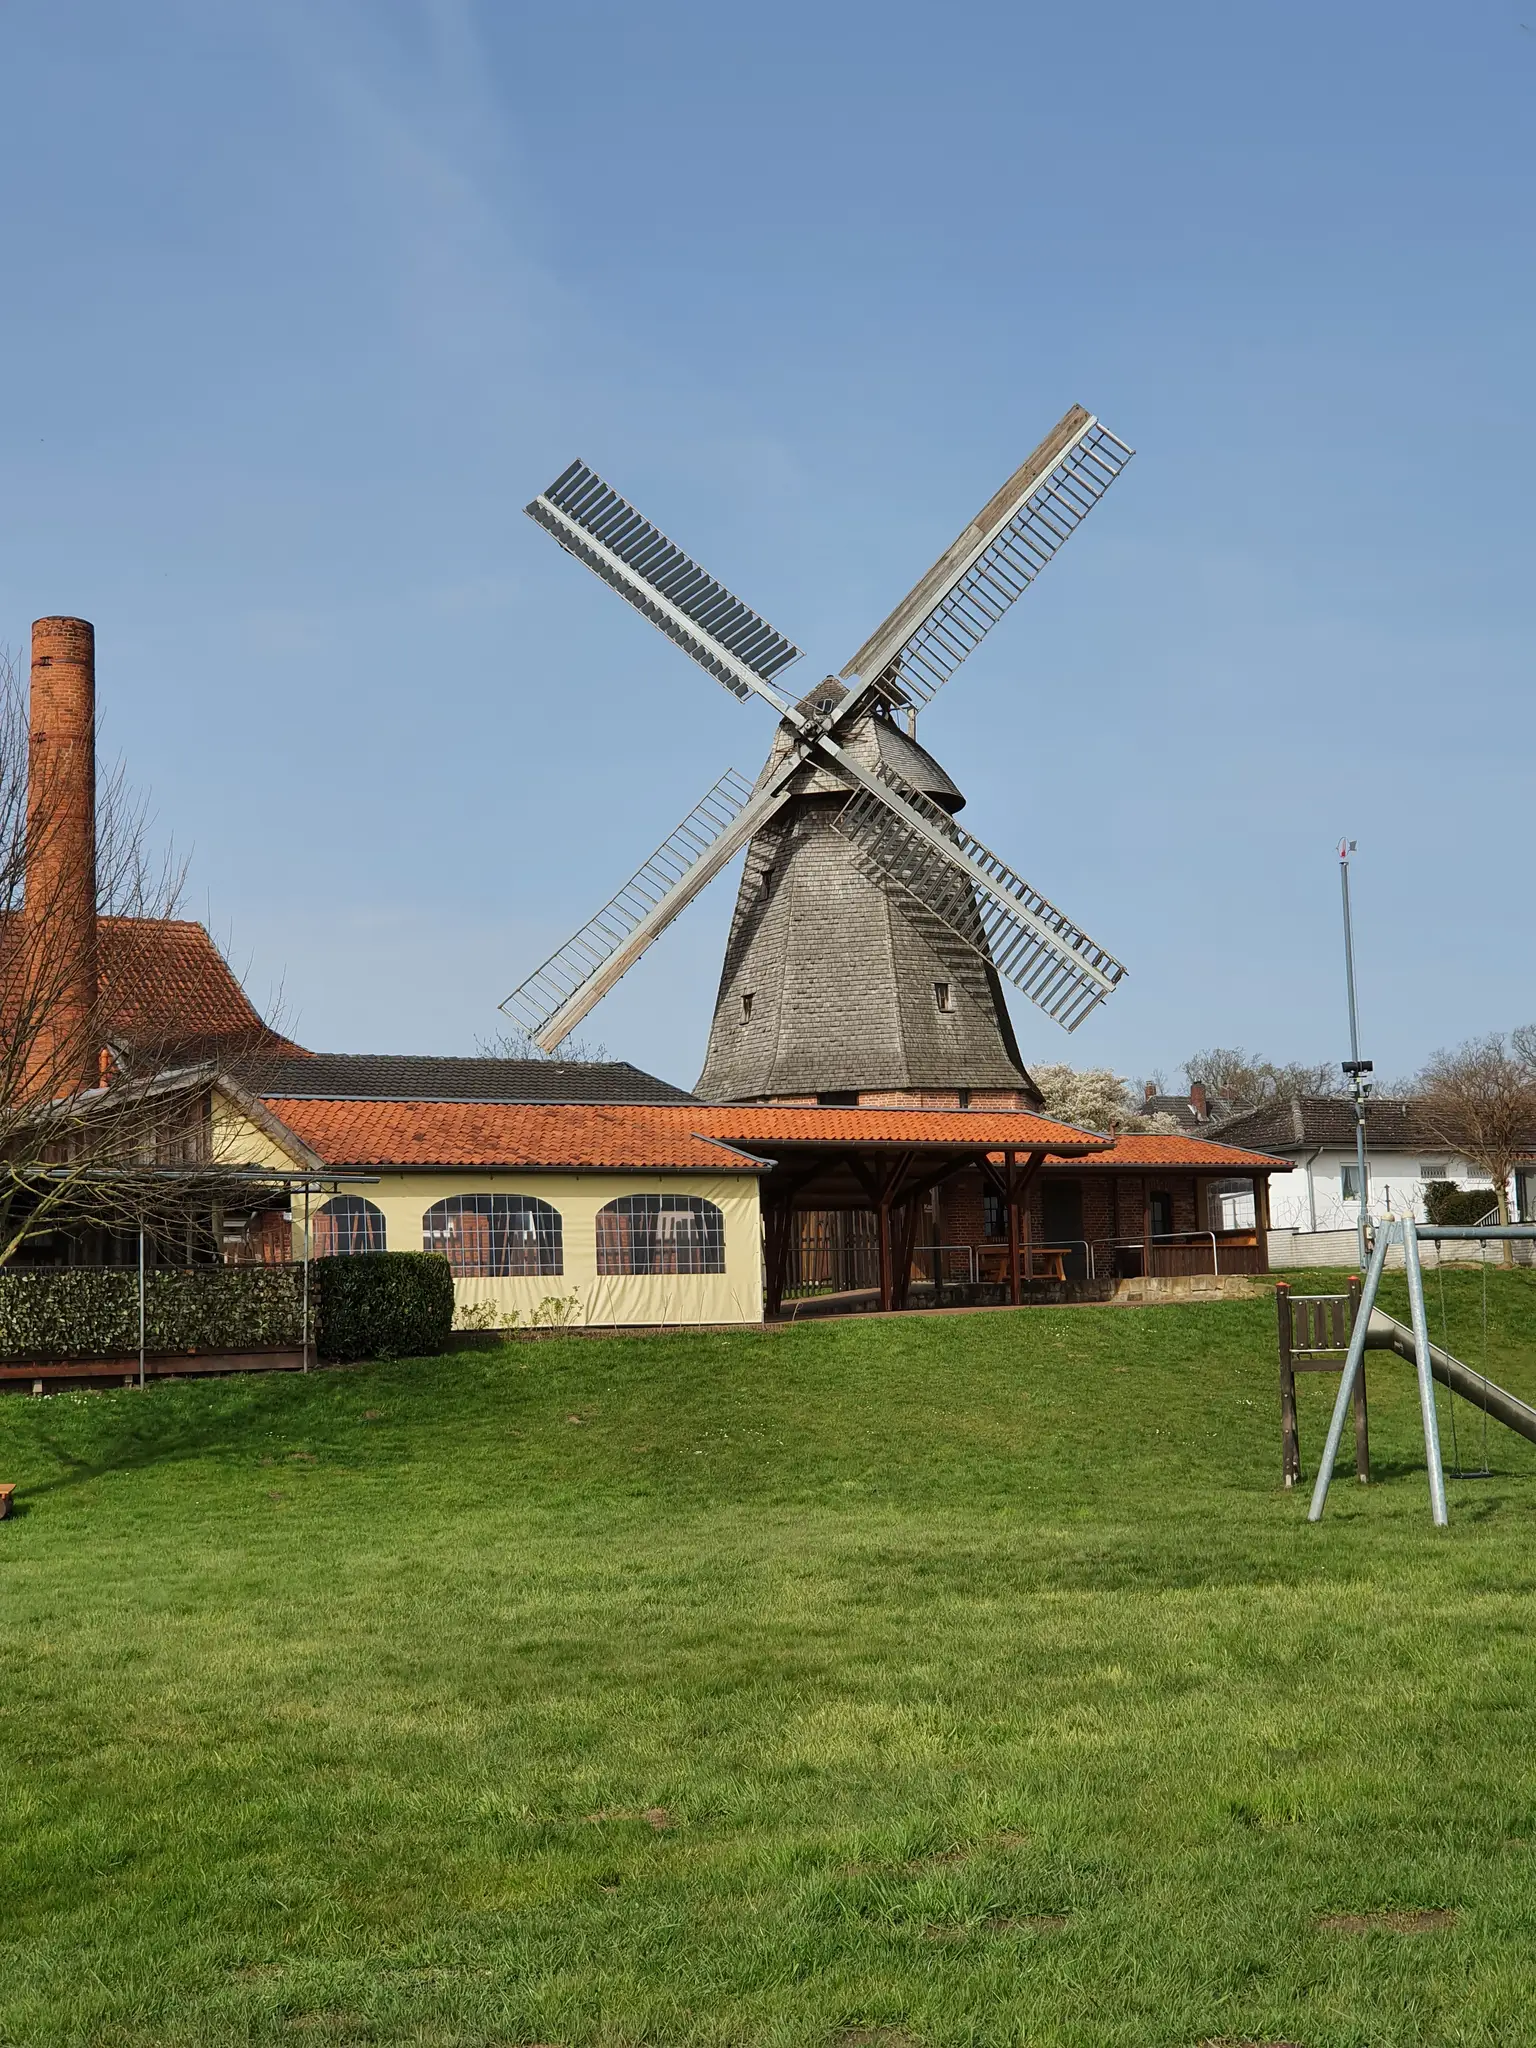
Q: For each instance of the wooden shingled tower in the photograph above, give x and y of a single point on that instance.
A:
(872, 933)
(834, 983)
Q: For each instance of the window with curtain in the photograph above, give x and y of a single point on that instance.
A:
(346, 1224)
(495, 1237)
(660, 1234)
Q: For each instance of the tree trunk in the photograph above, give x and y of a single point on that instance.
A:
(1501, 1182)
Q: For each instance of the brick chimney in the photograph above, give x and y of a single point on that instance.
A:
(1151, 1090)
(1197, 1100)
(60, 897)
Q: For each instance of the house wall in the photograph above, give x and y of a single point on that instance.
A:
(1311, 1196)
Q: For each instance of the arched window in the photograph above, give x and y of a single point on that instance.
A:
(346, 1223)
(495, 1236)
(660, 1234)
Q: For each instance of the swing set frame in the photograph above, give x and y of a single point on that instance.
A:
(1409, 1235)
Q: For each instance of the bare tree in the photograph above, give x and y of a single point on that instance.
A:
(1480, 1100)
(1523, 1043)
(517, 1043)
(1241, 1080)
(105, 1114)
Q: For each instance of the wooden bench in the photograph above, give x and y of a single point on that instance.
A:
(1037, 1264)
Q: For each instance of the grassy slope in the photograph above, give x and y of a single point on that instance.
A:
(333, 1709)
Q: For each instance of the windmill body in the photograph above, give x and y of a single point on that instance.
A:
(873, 932)
(833, 985)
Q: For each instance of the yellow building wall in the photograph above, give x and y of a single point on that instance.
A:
(239, 1142)
(602, 1301)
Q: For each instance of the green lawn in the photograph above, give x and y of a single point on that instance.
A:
(948, 1680)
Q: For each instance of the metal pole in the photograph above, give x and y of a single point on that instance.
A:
(306, 1276)
(1363, 1212)
(1354, 1360)
(1421, 1365)
(141, 1301)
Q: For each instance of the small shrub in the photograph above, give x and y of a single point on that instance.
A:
(556, 1312)
(382, 1305)
(485, 1315)
(1444, 1202)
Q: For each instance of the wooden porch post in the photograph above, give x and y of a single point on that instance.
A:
(777, 1220)
(883, 1213)
(1290, 1441)
(1261, 1219)
(1010, 1182)
(906, 1248)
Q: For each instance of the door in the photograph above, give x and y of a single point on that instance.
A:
(1061, 1223)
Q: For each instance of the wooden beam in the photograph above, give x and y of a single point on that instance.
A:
(777, 1222)
(1290, 1440)
(906, 1245)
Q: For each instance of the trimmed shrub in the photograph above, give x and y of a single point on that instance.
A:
(67, 1312)
(382, 1305)
(1444, 1202)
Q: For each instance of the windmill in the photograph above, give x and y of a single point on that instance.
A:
(872, 931)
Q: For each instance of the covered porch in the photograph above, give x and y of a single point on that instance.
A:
(891, 1187)
(1149, 1207)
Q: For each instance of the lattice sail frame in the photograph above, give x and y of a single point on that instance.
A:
(985, 904)
(726, 637)
(995, 562)
(550, 988)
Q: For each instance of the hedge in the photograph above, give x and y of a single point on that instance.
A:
(66, 1312)
(382, 1305)
(1444, 1202)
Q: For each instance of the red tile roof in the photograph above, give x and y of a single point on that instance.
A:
(165, 985)
(1196, 1154)
(658, 1138)
(528, 1135)
(965, 1129)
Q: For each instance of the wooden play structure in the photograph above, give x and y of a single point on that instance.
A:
(1315, 1330)
(1371, 1329)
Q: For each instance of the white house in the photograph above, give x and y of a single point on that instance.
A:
(1314, 1209)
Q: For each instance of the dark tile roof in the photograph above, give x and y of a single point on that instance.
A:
(1305, 1122)
(414, 1077)
(1181, 1108)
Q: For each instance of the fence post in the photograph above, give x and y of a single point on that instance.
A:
(306, 1277)
(1290, 1441)
(141, 1301)
(1362, 1425)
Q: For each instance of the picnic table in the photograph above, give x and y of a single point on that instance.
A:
(1040, 1262)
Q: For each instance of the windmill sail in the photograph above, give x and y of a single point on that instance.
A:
(554, 999)
(993, 562)
(726, 637)
(980, 899)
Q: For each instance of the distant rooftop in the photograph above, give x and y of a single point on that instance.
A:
(423, 1077)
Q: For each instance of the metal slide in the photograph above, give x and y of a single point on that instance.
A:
(1385, 1333)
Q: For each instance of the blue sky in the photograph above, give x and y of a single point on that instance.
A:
(306, 300)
